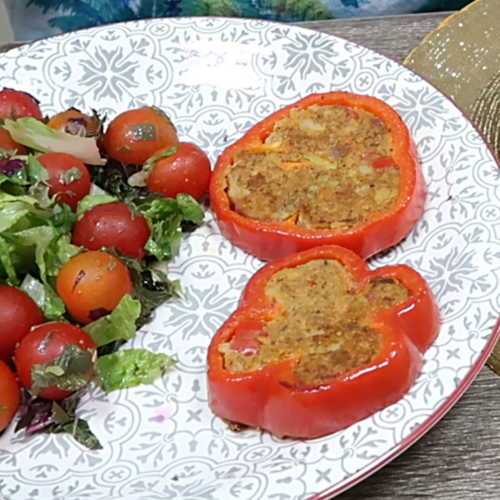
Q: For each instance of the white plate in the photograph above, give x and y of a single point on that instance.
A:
(216, 77)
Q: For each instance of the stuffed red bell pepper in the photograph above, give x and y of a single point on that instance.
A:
(320, 342)
(335, 168)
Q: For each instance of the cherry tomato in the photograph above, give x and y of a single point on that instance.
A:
(7, 143)
(73, 121)
(186, 171)
(44, 344)
(112, 225)
(135, 136)
(18, 314)
(15, 104)
(58, 166)
(9, 396)
(92, 285)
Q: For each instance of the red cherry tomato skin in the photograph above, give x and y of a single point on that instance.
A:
(125, 141)
(186, 171)
(15, 104)
(112, 225)
(18, 314)
(56, 165)
(9, 396)
(7, 143)
(45, 343)
(92, 281)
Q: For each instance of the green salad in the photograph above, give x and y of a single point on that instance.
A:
(89, 218)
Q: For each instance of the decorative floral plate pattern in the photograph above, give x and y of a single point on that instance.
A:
(216, 77)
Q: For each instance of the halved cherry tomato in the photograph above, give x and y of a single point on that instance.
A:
(15, 104)
(186, 171)
(92, 285)
(69, 177)
(74, 122)
(7, 143)
(136, 135)
(46, 343)
(112, 225)
(9, 396)
(18, 314)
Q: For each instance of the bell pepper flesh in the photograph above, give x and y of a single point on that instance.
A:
(273, 399)
(270, 240)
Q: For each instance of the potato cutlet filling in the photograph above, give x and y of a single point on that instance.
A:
(324, 323)
(318, 169)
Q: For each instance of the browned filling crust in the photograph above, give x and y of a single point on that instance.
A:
(316, 170)
(324, 324)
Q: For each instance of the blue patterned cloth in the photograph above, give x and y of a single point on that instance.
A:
(32, 19)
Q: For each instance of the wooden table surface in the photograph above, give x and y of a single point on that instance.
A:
(457, 459)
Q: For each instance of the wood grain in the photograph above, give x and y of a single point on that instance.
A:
(7, 46)
(393, 36)
(457, 460)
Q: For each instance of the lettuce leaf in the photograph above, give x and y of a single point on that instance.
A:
(9, 198)
(60, 251)
(35, 231)
(92, 200)
(13, 209)
(4, 153)
(63, 219)
(130, 368)
(166, 217)
(37, 238)
(69, 371)
(119, 325)
(51, 250)
(41, 245)
(38, 136)
(190, 209)
(13, 172)
(21, 175)
(36, 171)
(45, 298)
(7, 264)
(12, 212)
(151, 287)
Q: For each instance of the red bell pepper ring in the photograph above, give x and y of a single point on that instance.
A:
(271, 240)
(273, 399)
